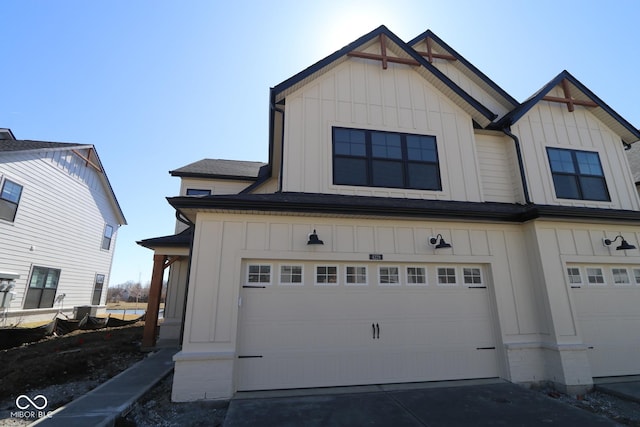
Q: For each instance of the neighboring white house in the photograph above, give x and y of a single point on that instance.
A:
(59, 220)
(413, 223)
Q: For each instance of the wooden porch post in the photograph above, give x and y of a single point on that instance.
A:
(153, 306)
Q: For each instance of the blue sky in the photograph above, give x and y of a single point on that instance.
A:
(155, 85)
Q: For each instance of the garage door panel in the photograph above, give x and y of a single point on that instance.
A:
(317, 335)
(609, 324)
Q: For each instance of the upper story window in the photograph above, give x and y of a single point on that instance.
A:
(9, 200)
(577, 175)
(106, 238)
(385, 159)
(198, 192)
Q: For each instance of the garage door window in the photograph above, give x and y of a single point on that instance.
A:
(291, 274)
(259, 273)
(620, 276)
(472, 276)
(636, 275)
(447, 276)
(326, 275)
(416, 275)
(575, 278)
(356, 275)
(389, 275)
(595, 276)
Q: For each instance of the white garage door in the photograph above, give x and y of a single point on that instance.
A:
(314, 325)
(607, 302)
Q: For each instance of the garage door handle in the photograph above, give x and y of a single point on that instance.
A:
(378, 331)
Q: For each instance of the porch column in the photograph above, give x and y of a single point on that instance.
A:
(153, 306)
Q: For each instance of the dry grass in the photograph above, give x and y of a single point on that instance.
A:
(129, 305)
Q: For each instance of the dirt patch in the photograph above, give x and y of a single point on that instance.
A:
(64, 368)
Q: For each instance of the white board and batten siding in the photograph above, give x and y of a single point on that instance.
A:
(498, 166)
(549, 124)
(360, 94)
(59, 224)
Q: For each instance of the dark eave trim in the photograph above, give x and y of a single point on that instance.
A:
(412, 208)
(213, 176)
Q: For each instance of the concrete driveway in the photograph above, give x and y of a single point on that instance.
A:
(488, 404)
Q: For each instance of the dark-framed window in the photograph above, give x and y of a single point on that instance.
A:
(198, 192)
(97, 289)
(43, 285)
(385, 159)
(577, 174)
(106, 238)
(9, 199)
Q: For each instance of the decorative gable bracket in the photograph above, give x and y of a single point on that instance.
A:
(568, 99)
(430, 54)
(383, 55)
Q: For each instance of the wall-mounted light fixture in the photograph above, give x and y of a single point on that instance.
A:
(314, 240)
(624, 245)
(439, 245)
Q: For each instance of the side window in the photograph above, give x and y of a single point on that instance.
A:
(577, 175)
(575, 278)
(106, 238)
(620, 276)
(389, 275)
(97, 289)
(472, 276)
(356, 275)
(595, 276)
(43, 285)
(9, 200)
(416, 275)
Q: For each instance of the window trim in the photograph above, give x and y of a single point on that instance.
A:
(577, 174)
(14, 204)
(315, 275)
(425, 275)
(613, 276)
(280, 282)
(369, 159)
(604, 277)
(346, 275)
(455, 276)
(44, 287)
(106, 240)
(636, 279)
(580, 276)
(398, 275)
(260, 273)
(95, 285)
(481, 284)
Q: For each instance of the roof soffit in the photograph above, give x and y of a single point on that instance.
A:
(396, 51)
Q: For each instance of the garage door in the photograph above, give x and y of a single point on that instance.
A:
(607, 303)
(315, 325)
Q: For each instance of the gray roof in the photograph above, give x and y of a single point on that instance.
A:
(182, 239)
(219, 168)
(7, 145)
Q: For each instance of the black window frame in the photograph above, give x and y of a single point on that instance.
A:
(577, 177)
(39, 294)
(9, 207)
(98, 287)
(198, 192)
(107, 238)
(373, 162)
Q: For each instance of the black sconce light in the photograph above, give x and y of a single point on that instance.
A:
(314, 240)
(624, 245)
(440, 245)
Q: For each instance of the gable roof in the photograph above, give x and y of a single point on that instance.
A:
(481, 114)
(26, 146)
(220, 168)
(602, 111)
(469, 70)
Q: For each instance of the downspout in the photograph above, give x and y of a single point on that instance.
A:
(516, 141)
(280, 110)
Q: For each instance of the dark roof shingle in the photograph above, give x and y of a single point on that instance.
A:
(219, 168)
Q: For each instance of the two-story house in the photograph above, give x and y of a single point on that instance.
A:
(414, 222)
(59, 219)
